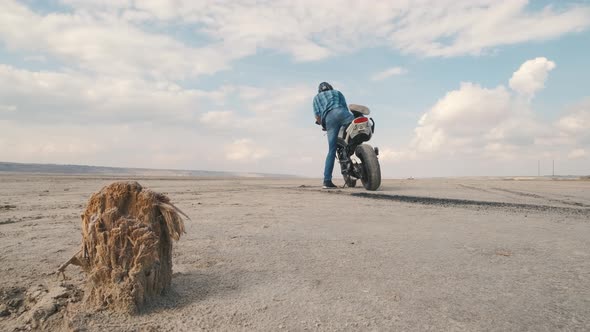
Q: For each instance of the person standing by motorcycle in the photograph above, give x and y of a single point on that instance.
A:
(331, 111)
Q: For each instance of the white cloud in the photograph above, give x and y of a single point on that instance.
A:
(576, 123)
(493, 123)
(531, 76)
(110, 37)
(388, 73)
(124, 145)
(159, 145)
(283, 101)
(429, 28)
(8, 108)
(494, 131)
(124, 62)
(106, 44)
(218, 118)
(262, 112)
(146, 114)
(577, 154)
(244, 150)
(462, 119)
(389, 155)
(572, 130)
(40, 143)
(35, 58)
(76, 97)
(450, 28)
(250, 92)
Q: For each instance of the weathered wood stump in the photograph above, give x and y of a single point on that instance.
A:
(127, 234)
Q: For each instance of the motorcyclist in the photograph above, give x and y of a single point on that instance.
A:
(331, 111)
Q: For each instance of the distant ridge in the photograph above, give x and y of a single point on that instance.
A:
(84, 169)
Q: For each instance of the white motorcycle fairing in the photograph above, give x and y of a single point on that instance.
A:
(361, 125)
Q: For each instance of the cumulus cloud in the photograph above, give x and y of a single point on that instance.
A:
(251, 93)
(577, 122)
(77, 97)
(137, 145)
(50, 126)
(435, 28)
(7, 108)
(159, 145)
(573, 129)
(245, 149)
(110, 36)
(261, 112)
(282, 100)
(489, 122)
(388, 73)
(127, 145)
(577, 154)
(389, 155)
(531, 76)
(463, 118)
(52, 144)
(218, 118)
(430, 28)
(123, 62)
(496, 124)
(104, 43)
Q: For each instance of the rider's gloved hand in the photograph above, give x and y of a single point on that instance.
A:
(323, 128)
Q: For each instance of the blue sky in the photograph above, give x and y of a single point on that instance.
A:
(474, 87)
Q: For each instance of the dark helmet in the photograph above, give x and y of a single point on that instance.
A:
(324, 86)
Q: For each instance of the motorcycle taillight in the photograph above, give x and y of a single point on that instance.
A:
(360, 120)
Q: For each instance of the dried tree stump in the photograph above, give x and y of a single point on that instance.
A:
(127, 234)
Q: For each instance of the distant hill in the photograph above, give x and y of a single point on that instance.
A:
(83, 169)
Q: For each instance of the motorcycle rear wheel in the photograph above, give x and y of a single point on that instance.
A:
(371, 177)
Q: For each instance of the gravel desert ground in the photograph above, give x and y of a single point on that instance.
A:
(461, 254)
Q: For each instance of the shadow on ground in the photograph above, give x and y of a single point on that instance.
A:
(191, 287)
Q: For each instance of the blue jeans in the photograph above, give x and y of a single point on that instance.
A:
(335, 119)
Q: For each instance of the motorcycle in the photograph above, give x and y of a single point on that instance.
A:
(357, 159)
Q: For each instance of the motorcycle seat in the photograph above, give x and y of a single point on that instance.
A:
(364, 110)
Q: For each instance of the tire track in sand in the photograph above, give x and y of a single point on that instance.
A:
(452, 202)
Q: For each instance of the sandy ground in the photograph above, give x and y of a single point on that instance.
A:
(271, 254)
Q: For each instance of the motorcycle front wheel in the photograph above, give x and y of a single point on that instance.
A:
(371, 177)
